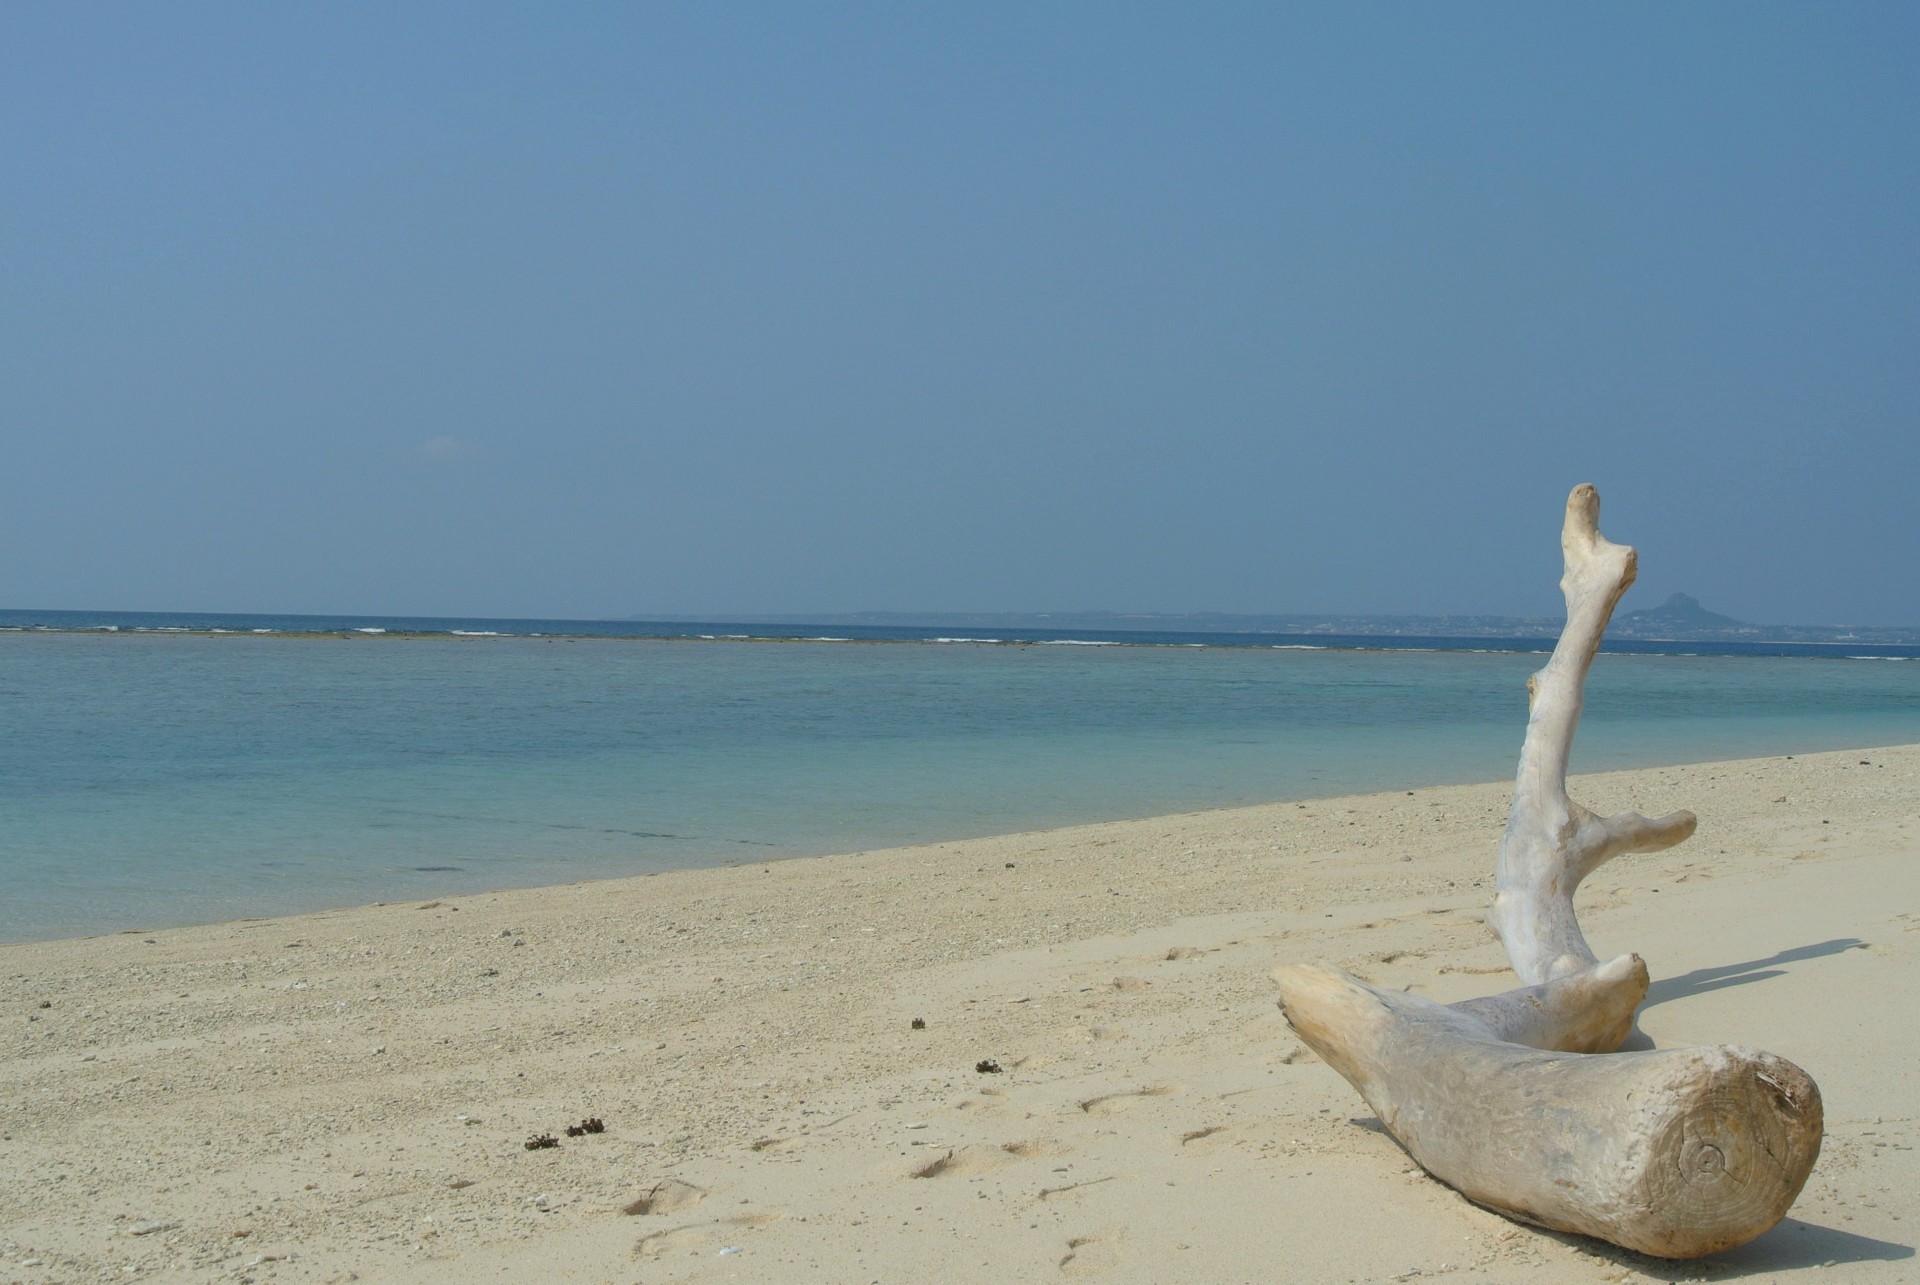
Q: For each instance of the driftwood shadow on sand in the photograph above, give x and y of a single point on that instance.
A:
(1702, 980)
(1793, 1245)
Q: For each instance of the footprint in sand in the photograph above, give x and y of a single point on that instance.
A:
(1091, 1253)
(1100, 1034)
(667, 1196)
(1113, 1103)
(661, 1242)
(964, 1162)
(1033, 1149)
(776, 1146)
(675, 1238)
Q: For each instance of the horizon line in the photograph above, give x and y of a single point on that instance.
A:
(933, 618)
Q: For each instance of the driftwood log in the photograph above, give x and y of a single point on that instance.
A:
(1675, 1152)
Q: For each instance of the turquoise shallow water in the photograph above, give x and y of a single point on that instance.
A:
(150, 780)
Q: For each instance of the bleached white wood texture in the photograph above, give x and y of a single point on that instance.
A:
(1552, 843)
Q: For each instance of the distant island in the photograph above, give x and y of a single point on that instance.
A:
(1680, 618)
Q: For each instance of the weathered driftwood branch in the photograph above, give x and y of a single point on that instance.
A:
(1589, 1012)
(1551, 842)
(1676, 1153)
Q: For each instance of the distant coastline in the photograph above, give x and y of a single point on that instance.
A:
(1680, 619)
(1678, 627)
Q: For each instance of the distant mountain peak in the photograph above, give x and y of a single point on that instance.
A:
(1679, 611)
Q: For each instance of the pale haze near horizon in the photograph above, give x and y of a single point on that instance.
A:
(602, 311)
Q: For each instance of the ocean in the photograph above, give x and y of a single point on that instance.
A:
(155, 772)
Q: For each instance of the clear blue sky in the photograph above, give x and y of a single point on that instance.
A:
(610, 309)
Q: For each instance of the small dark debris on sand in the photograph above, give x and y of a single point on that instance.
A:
(987, 1066)
(541, 1141)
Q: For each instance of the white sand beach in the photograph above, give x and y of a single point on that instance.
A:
(346, 1096)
